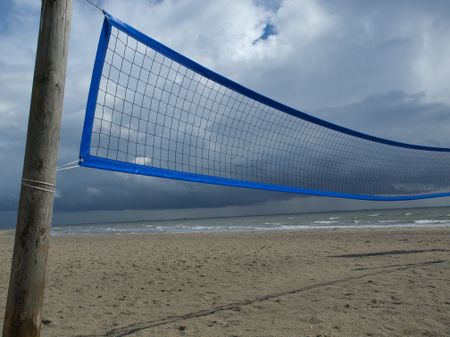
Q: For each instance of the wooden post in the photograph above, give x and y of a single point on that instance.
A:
(28, 270)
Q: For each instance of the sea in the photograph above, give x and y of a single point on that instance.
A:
(392, 218)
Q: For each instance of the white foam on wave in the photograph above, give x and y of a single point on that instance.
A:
(425, 222)
(325, 222)
(376, 214)
(115, 229)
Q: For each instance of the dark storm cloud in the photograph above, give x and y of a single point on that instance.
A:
(397, 116)
(101, 190)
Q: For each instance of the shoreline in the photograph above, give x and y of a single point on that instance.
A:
(300, 229)
(262, 215)
(340, 229)
(7, 231)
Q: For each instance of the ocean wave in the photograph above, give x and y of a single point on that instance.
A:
(425, 222)
(214, 225)
(325, 222)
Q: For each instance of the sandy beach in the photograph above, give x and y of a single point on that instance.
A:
(281, 284)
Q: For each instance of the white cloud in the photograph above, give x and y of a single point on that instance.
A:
(432, 64)
(302, 22)
(93, 191)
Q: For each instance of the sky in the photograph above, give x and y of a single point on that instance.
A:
(380, 67)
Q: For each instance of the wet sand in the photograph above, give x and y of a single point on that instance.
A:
(282, 284)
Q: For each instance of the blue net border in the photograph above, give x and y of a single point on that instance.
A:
(88, 160)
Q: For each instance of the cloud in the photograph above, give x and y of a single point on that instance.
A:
(379, 67)
(396, 115)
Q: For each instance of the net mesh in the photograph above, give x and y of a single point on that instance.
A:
(154, 110)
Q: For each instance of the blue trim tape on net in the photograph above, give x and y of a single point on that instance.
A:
(152, 111)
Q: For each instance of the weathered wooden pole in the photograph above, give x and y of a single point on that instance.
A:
(28, 270)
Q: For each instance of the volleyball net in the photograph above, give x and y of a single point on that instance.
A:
(153, 111)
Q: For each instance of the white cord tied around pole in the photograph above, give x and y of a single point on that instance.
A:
(39, 185)
(45, 186)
